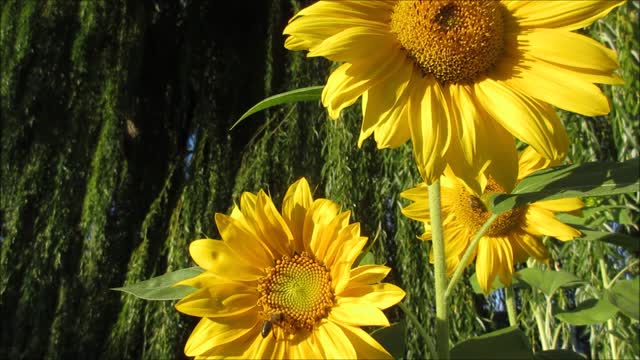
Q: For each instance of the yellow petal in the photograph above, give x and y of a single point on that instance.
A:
(325, 235)
(382, 295)
(226, 299)
(384, 109)
(262, 348)
(418, 193)
(539, 221)
(525, 245)
(272, 227)
(558, 87)
(366, 346)
(358, 315)
(418, 210)
(503, 155)
(355, 44)
(204, 279)
(569, 49)
(248, 209)
(368, 274)
(529, 120)
(429, 125)
(349, 81)
(531, 161)
(561, 205)
(567, 15)
(217, 257)
(209, 333)
(345, 238)
(335, 345)
(394, 131)
(305, 349)
(294, 208)
(244, 243)
(486, 264)
(342, 260)
(308, 32)
(481, 144)
(321, 212)
(375, 11)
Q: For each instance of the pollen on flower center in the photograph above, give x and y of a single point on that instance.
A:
(453, 40)
(296, 293)
(474, 212)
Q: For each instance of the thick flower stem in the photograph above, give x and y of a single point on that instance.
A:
(468, 253)
(442, 322)
(510, 301)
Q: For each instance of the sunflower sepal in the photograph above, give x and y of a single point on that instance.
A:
(163, 287)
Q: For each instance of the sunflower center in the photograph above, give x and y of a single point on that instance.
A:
(296, 293)
(474, 211)
(453, 40)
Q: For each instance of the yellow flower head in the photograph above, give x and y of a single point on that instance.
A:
(513, 237)
(281, 285)
(461, 78)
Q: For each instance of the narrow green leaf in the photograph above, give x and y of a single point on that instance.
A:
(558, 355)
(161, 287)
(392, 339)
(589, 312)
(497, 284)
(304, 94)
(589, 179)
(508, 343)
(624, 295)
(628, 242)
(548, 281)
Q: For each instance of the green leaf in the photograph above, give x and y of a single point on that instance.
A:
(589, 312)
(392, 339)
(548, 281)
(497, 284)
(589, 179)
(161, 287)
(304, 94)
(508, 343)
(366, 259)
(558, 355)
(624, 295)
(628, 242)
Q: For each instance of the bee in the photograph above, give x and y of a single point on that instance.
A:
(267, 325)
(476, 204)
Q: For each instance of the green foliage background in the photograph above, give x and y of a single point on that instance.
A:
(116, 152)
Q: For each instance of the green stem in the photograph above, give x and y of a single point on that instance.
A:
(610, 325)
(537, 313)
(621, 272)
(468, 254)
(510, 302)
(420, 328)
(442, 323)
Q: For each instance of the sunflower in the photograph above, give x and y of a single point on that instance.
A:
(460, 78)
(283, 286)
(512, 238)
